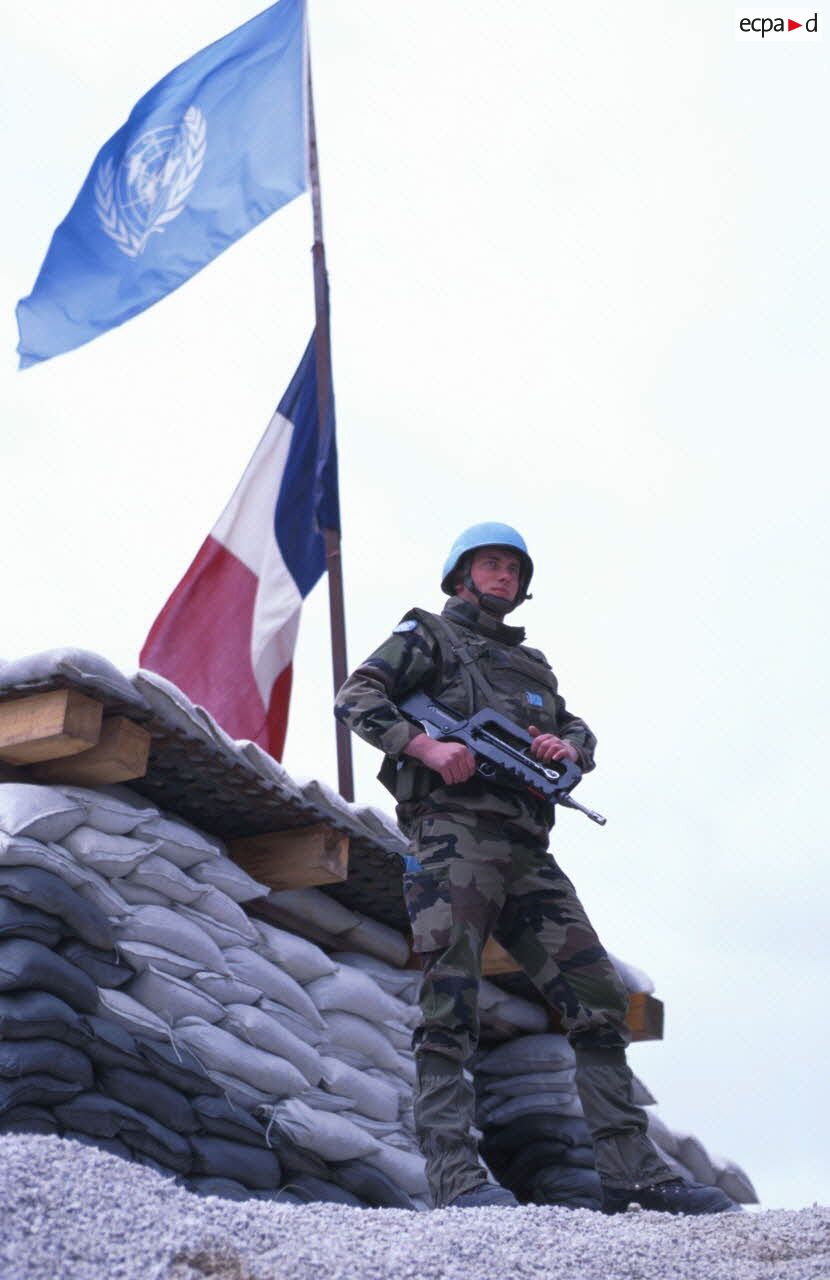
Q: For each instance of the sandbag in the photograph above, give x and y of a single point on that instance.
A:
(43, 813)
(28, 1119)
(21, 851)
(218, 1049)
(231, 879)
(140, 955)
(525, 1054)
(356, 1034)
(28, 1057)
(182, 844)
(295, 955)
(733, 1180)
(403, 983)
(379, 940)
(161, 927)
(221, 1158)
(371, 1185)
(372, 1097)
(327, 1135)
(272, 982)
(28, 1014)
(29, 966)
(109, 855)
(112, 1145)
(128, 1013)
(530, 1082)
(223, 935)
(311, 1190)
(112, 810)
(296, 907)
(575, 1188)
(163, 877)
(102, 967)
(172, 998)
(224, 988)
(38, 1089)
(20, 921)
(314, 1034)
(136, 895)
(224, 1188)
(265, 1032)
(111, 1045)
(498, 1113)
(407, 1169)
(48, 893)
(177, 1067)
(355, 992)
(153, 1098)
(155, 1142)
(223, 1120)
(101, 892)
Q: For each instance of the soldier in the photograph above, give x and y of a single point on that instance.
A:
(479, 865)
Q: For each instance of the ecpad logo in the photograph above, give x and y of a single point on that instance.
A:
(754, 24)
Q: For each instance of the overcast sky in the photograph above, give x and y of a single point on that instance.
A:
(578, 261)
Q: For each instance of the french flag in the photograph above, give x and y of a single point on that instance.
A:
(226, 636)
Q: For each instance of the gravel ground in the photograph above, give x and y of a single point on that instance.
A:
(73, 1213)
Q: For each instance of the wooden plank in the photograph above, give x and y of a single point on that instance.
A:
(294, 859)
(44, 726)
(120, 755)
(645, 1016)
(494, 959)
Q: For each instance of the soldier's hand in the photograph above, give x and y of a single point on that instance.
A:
(454, 761)
(546, 746)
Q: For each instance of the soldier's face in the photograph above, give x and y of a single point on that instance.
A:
(495, 572)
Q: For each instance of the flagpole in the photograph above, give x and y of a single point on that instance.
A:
(322, 351)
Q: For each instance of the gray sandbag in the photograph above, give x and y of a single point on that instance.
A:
(221, 1051)
(80, 668)
(240, 1092)
(21, 851)
(114, 810)
(561, 1104)
(42, 889)
(109, 855)
(249, 967)
(403, 983)
(28, 1014)
(222, 1119)
(177, 1067)
(326, 1135)
(19, 921)
(224, 874)
(172, 998)
(221, 1158)
(101, 892)
(223, 935)
(42, 813)
(112, 1145)
(370, 1185)
(29, 966)
(355, 992)
(140, 955)
(692, 1153)
(27, 1057)
(322, 1100)
(222, 910)
(224, 988)
(527, 1054)
(407, 1169)
(302, 959)
(372, 1097)
(104, 1117)
(111, 1045)
(732, 1179)
(28, 1119)
(351, 1032)
(132, 1015)
(161, 876)
(102, 967)
(260, 1029)
(180, 843)
(379, 940)
(152, 1097)
(299, 909)
(530, 1082)
(161, 927)
(159, 1146)
(311, 1190)
(38, 1089)
(571, 1131)
(136, 895)
(314, 1033)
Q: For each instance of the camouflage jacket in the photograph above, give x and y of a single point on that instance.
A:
(431, 652)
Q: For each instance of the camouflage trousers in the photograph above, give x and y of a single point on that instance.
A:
(470, 876)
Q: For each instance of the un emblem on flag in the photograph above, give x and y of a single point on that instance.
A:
(150, 185)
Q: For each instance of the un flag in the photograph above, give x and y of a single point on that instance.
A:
(211, 150)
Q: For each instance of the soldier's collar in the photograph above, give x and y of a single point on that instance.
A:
(461, 611)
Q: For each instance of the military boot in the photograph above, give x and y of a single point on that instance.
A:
(488, 1196)
(672, 1196)
(444, 1109)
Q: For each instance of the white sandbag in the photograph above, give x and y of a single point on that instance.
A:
(131, 1015)
(632, 978)
(405, 1168)
(527, 1053)
(102, 892)
(114, 810)
(163, 877)
(398, 1035)
(267, 767)
(521, 1014)
(355, 992)
(325, 1101)
(223, 935)
(225, 988)
(378, 940)
(224, 874)
(328, 1136)
(181, 843)
(42, 813)
(372, 1097)
(315, 907)
(218, 1049)
(356, 1034)
(137, 896)
(107, 854)
(84, 669)
(260, 1029)
(173, 998)
(393, 1080)
(272, 982)
(403, 983)
(169, 929)
(22, 851)
(314, 1034)
(140, 955)
(296, 955)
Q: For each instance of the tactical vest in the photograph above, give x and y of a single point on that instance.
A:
(476, 671)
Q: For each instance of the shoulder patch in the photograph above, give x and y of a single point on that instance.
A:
(409, 624)
(534, 699)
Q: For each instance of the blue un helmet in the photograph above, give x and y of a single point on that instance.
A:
(488, 534)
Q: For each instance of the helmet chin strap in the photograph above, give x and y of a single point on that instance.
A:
(495, 605)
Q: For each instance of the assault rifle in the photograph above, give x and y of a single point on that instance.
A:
(502, 750)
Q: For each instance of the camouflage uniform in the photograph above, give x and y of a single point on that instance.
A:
(478, 866)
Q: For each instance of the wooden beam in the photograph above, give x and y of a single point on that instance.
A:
(44, 726)
(494, 959)
(645, 1016)
(294, 859)
(120, 755)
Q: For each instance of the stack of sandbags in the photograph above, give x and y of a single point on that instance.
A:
(688, 1158)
